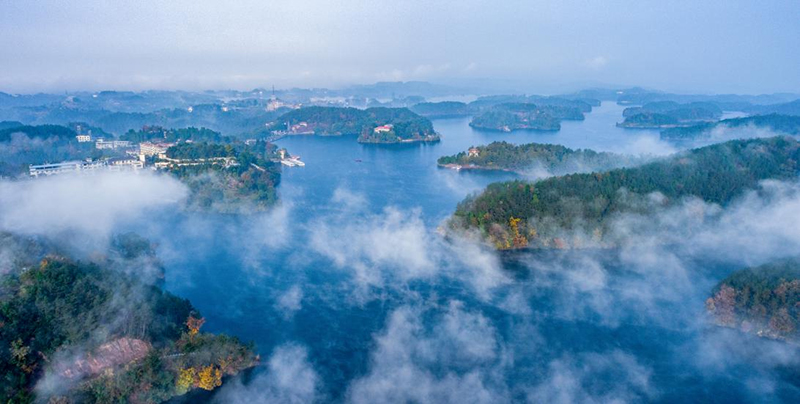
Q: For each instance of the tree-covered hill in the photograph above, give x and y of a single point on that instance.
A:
(669, 114)
(555, 159)
(764, 300)
(517, 116)
(444, 109)
(518, 214)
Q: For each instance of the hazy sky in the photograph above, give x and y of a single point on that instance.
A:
(703, 46)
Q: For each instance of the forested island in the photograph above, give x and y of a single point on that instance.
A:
(666, 114)
(99, 331)
(763, 300)
(554, 159)
(575, 210)
(444, 109)
(517, 116)
(782, 124)
(372, 125)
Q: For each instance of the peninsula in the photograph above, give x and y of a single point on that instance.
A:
(520, 214)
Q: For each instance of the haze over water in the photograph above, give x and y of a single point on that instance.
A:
(351, 270)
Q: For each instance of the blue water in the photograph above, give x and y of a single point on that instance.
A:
(541, 326)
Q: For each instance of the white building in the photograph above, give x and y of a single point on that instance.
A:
(84, 138)
(153, 149)
(124, 163)
(65, 167)
(101, 144)
(384, 128)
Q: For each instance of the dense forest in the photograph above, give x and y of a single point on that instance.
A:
(555, 159)
(105, 334)
(518, 214)
(405, 124)
(782, 124)
(764, 300)
(246, 183)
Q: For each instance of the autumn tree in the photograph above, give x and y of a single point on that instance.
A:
(209, 378)
(186, 379)
(194, 324)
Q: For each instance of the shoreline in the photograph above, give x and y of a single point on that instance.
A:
(459, 167)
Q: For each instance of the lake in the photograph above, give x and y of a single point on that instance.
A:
(350, 278)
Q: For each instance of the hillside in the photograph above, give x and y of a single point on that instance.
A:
(763, 300)
(517, 214)
(106, 335)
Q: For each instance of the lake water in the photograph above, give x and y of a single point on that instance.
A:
(350, 273)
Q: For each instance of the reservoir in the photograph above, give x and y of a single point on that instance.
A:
(350, 275)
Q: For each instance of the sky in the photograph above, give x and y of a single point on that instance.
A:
(719, 46)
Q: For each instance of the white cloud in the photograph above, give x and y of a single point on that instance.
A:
(403, 363)
(88, 204)
(289, 378)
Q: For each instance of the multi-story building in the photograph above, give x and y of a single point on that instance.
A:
(65, 167)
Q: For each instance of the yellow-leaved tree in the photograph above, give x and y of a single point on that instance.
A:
(185, 379)
(209, 378)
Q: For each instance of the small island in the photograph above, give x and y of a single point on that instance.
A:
(444, 109)
(372, 125)
(762, 300)
(669, 114)
(554, 159)
(518, 116)
(574, 211)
